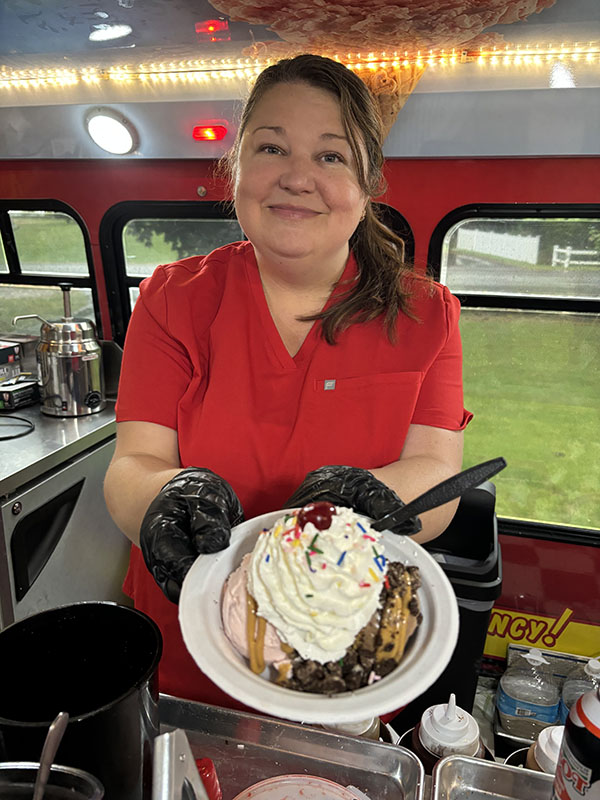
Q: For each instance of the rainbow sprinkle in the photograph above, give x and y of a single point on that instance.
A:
(341, 558)
(380, 562)
(372, 574)
(267, 558)
(364, 530)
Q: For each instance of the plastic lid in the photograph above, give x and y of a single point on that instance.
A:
(309, 787)
(446, 729)
(547, 748)
(592, 668)
(534, 657)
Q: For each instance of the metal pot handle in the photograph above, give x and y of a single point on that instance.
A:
(173, 765)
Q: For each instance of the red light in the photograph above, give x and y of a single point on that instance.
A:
(215, 30)
(212, 25)
(209, 132)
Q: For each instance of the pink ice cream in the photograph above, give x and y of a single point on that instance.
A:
(234, 611)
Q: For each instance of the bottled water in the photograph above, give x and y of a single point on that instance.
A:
(580, 680)
(528, 696)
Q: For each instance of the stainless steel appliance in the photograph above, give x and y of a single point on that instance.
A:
(58, 543)
(69, 356)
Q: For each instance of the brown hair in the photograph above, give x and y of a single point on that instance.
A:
(379, 288)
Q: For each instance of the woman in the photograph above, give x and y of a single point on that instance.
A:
(309, 345)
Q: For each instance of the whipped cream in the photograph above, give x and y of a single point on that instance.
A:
(318, 588)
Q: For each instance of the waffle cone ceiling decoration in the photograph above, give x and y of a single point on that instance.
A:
(401, 27)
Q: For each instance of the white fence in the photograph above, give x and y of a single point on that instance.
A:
(504, 245)
(563, 256)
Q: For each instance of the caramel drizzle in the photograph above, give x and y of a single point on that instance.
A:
(255, 633)
(394, 625)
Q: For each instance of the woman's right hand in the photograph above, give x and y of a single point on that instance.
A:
(192, 514)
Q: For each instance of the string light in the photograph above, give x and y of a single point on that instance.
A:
(242, 69)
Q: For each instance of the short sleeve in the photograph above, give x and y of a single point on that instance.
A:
(156, 368)
(440, 401)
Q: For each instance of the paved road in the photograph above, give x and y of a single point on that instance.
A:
(473, 274)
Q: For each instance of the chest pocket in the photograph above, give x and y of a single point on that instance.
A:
(361, 421)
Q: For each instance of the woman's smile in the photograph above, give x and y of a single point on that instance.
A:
(292, 212)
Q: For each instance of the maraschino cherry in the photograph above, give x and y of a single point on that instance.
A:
(319, 514)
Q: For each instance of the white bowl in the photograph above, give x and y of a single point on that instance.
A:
(428, 652)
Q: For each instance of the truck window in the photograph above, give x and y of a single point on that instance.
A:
(531, 340)
(150, 242)
(41, 248)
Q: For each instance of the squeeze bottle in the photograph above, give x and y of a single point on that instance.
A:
(444, 730)
(542, 756)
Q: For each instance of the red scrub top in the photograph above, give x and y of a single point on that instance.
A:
(204, 357)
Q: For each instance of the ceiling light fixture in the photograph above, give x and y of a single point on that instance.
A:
(111, 131)
(104, 32)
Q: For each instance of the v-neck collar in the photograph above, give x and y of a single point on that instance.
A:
(272, 335)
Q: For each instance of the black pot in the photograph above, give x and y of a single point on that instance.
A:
(97, 661)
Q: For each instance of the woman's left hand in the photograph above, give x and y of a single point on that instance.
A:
(355, 488)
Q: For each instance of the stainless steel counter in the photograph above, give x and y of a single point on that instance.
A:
(53, 442)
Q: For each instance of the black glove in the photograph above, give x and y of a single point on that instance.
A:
(355, 488)
(193, 513)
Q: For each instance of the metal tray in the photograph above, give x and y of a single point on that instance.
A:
(458, 777)
(247, 748)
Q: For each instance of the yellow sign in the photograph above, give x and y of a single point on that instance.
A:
(548, 633)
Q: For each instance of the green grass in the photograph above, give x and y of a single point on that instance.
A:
(54, 239)
(533, 383)
(137, 253)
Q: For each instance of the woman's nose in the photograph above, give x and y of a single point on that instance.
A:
(297, 174)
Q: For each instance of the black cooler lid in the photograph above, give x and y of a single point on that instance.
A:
(468, 551)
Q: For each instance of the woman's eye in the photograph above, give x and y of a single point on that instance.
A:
(269, 148)
(332, 158)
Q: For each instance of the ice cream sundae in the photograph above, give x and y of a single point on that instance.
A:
(318, 605)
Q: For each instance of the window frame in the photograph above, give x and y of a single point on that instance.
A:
(512, 211)
(556, 532)
(118, 282)
(16, 277)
